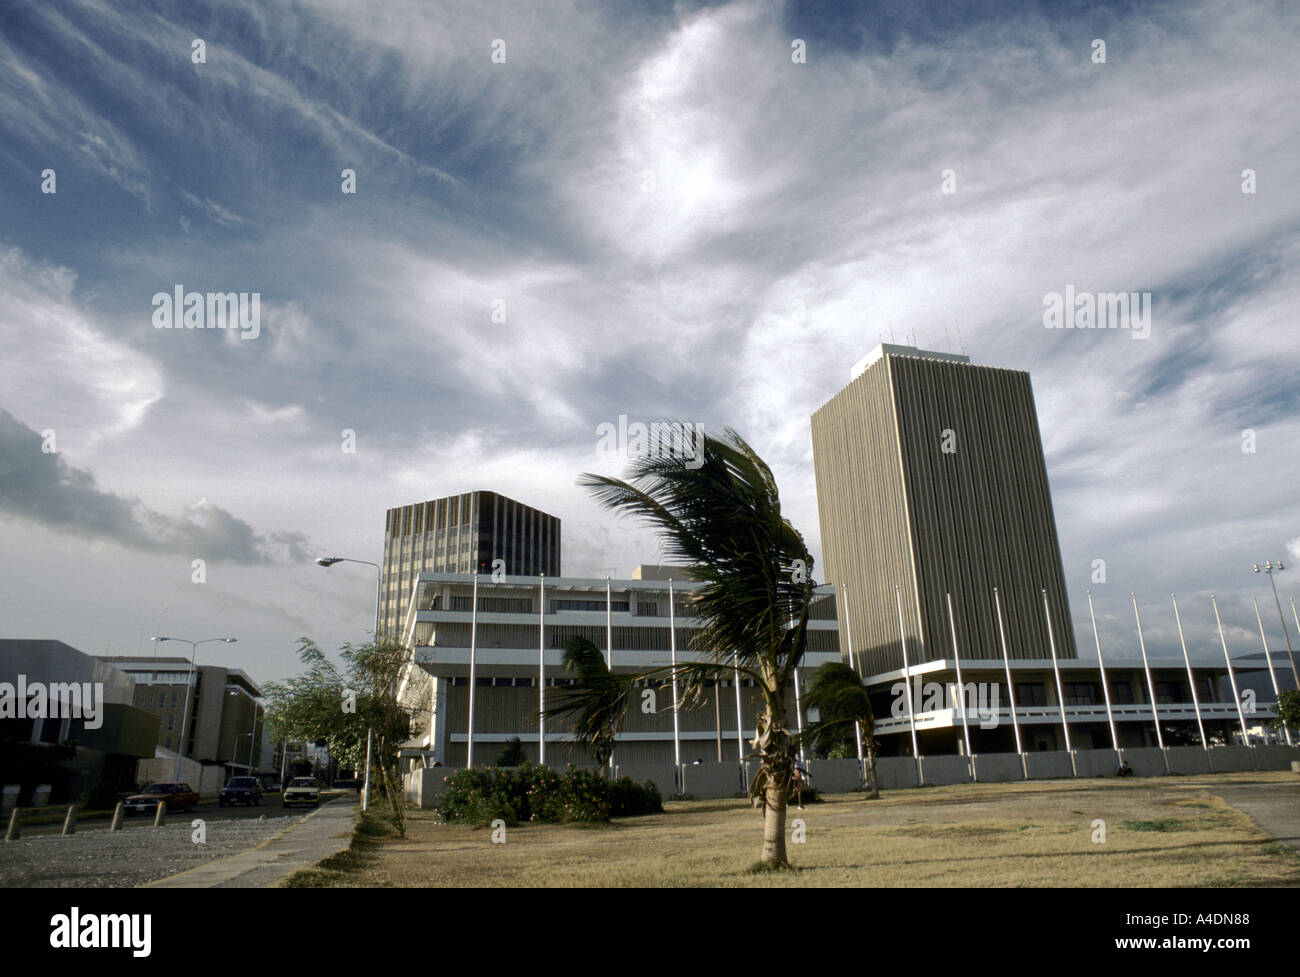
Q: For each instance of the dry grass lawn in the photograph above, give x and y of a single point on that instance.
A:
(1172, 831)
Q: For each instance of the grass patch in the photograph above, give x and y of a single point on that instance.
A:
(1163, 824)
(979, 835)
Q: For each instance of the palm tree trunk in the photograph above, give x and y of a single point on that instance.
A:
(873, 785)
(774, 824)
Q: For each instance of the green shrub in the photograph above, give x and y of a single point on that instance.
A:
(629, 799)
(532, 792)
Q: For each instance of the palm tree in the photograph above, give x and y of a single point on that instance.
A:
(597, 705)
(839, 694)
(719, 514)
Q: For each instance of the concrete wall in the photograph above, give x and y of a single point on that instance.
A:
(1230, 759)
(1187, 759)
(1048, 764)
(424, 785)
(998, 768)
(1095, 763)
(1146, 761)
(1275, 756)
(711, 780)
(893, 772)
(205, 778)
(937, 771)
(659, 774)
(835, 776)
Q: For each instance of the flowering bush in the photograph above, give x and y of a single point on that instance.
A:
(537, 793)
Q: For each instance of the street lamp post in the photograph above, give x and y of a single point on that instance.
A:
(189, 684)
(1268, 569)
(329, 561)
(252, 735)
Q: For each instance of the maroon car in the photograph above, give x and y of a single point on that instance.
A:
(179, 797)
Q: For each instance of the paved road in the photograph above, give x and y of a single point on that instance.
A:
(1275, 808)
(209, 811)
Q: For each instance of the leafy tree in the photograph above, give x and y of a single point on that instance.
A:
(719, 514)
(513, 755)
(838, 693)
(1288, 709)
(339, 707)
(597, 704)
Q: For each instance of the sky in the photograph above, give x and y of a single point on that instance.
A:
(569, 212)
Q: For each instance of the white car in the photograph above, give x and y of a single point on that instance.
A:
(302, 790)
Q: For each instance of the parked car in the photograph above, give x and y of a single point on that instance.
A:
(302, 790)
(179, 797)
(240, 790)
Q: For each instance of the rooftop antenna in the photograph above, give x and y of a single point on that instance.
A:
(891, 332)
(914, 337)
(960, 345)
(947, 340)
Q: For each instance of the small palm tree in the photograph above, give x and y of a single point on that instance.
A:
(597, 704)
(837, 692)
(718, 513)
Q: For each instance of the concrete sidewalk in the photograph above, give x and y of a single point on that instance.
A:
(1275, 808)
(322, 833)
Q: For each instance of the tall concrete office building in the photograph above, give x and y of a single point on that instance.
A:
(931, 478)
(462, 534)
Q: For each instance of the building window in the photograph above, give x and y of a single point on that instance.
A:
(1080, 694)
(1121, 693)
(174, 700)
(171, 723)
(615, 606)
(1031, 694)
(1171, 692)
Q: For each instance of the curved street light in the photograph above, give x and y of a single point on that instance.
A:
(329, 561)
(185, 717)
(1269, 568)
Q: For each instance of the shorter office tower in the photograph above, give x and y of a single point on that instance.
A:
(479, 532)
(517, 637)
(223, 712)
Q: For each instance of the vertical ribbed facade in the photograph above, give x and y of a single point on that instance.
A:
(462, 534)
(930, 476)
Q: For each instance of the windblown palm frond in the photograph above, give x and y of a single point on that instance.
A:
(718, 513)
(838, 694)
(597, 705)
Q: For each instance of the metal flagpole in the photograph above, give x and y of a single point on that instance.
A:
(541, 669)
(1011, 686)
(853, 663)
(609, 655)
(798, 714)
(740, 729)
(672, 643)
(1151, 686)
(1271, 674)
(1286, 635)
(473, 650)
(1056, 667)
(1105, 687)
(907, 685)
(1191, 677)
(961, 689)
(1232, 677)
(1297, 620)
